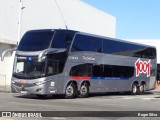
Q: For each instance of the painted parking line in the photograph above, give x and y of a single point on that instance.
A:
(143, 98)
(149, 98)
(5, 118)
(58, 118)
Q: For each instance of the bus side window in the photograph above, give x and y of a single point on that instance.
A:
(107, 71)
(97, 70)
(50, 68)
(81, 70)
(53, 67)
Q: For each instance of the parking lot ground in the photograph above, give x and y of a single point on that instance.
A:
(112, 102)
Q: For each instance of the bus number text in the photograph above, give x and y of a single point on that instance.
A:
(142, 67)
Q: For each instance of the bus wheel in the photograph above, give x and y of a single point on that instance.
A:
(141, 88)
(70, 91)
(134, 89)
(84, 91)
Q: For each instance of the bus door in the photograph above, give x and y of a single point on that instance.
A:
(108, 80)
(96, 78)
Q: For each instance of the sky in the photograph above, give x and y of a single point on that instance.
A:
(135, 19)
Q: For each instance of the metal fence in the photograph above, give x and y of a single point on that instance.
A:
(3, 85)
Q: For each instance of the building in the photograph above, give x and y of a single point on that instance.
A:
(20, 16)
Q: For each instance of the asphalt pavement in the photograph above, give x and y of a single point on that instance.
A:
(113, 103)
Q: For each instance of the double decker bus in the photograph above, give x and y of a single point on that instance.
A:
(76, 64)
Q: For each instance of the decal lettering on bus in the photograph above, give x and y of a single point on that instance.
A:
(88, 58)
(73, 57)
(142, 67)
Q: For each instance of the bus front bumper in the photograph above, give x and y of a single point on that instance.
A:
(40, 89)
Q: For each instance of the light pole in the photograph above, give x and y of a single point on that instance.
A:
(20, 19)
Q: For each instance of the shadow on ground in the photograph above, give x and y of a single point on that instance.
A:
(111, 94)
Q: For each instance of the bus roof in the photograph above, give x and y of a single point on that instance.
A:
(115, 39)
(89, 34)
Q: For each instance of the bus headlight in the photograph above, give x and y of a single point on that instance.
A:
(13, 81)
(41, 82)
(38, 83)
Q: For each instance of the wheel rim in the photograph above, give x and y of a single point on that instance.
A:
(141, 88)
(134, 89)
(83, 90)
(69, 91)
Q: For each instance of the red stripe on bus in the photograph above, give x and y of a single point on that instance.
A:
(81, 77)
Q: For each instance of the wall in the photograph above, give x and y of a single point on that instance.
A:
(45, 14)
(6, 68)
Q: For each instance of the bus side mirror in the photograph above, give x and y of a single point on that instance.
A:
(43, 53)
(51, 50)
(7, 51)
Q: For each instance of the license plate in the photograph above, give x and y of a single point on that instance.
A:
(22, 81)
(24, 92)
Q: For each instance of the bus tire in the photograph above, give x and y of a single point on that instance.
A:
(84, 91)
(134, 89)
(141, 88)
(70, 91)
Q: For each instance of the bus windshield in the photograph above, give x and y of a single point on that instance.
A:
(30, 68)
(26, 68)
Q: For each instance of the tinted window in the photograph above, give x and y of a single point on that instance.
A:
(127, 49)
(90, 43)
(102, 70)
(56, 62)
(81, 70)
(86, 43)
(120, 48)
(35, 41)
(57, 56)
(149, 53)
(62, 39)
(112, 71)
(54, 67)
(122, 71)
(97, 70)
